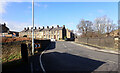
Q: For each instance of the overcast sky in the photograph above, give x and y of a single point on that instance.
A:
(18, 15)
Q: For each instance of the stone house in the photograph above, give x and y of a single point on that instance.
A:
(48, 33)
(69, 34)
(115, 33)
(3, 28)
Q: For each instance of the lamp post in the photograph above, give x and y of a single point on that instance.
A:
(33, 27)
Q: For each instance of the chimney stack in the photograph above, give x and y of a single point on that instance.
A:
(4, 24)
(38, 27)
(35, 27)
(47, 27)
(52, 26)
(57, 26)
(27, 28)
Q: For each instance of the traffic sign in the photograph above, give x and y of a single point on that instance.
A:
(37, 45)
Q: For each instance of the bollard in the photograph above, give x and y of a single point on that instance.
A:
(24, 52)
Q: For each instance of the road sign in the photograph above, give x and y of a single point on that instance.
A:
(37, 45)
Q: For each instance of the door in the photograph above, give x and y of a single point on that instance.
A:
(54, 36)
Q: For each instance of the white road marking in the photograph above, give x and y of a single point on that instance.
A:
(41, 60)
(41, 63)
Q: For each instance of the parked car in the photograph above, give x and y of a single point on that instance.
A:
(52, 39)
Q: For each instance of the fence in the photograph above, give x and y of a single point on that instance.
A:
(109, 42)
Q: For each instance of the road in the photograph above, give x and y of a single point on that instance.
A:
(67, 57)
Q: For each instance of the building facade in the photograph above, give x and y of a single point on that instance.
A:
(58, 33)
(5, 32)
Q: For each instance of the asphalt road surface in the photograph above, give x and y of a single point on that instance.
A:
(67, 57)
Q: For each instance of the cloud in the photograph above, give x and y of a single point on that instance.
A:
(70, 25)
(3, 7)
(17, 26)
(29, 7)
(41, 5)
(100, 11)
(38, 5)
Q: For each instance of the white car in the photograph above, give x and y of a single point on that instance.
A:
(52, 39)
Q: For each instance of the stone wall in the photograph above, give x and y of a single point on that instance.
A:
(109, 42)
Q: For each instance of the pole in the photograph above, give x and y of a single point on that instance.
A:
(33, 27)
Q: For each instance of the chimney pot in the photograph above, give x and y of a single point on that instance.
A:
(24, 28)
(43, 27)
(35, 27)
(52, 26)
(47, 26)
(4, 24)
(27, 28)
(57, 26)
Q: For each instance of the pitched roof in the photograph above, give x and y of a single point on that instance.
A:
(37, 30)
(54, 29)
(45, 29)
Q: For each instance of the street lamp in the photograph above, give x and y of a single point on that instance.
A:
(33, 27)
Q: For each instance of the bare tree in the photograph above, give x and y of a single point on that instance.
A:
(103, 25)
(84, 27)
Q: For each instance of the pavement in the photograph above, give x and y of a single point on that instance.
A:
(96, 49)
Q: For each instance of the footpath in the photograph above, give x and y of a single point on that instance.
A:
(97, 49)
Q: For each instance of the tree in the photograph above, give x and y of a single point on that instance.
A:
(103, 25)
(84, 27)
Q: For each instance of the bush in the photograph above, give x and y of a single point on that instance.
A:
(65, 38)
(60, 38)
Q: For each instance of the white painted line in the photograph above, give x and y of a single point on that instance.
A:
(41, 60)
(41, 63)
(31, 67)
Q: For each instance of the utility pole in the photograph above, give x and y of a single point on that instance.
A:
(33, 27)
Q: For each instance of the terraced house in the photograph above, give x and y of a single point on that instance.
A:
(58, 33)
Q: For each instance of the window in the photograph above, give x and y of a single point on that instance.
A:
(54, 32)
(49, 32)
(44, 33)
(58, 32)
